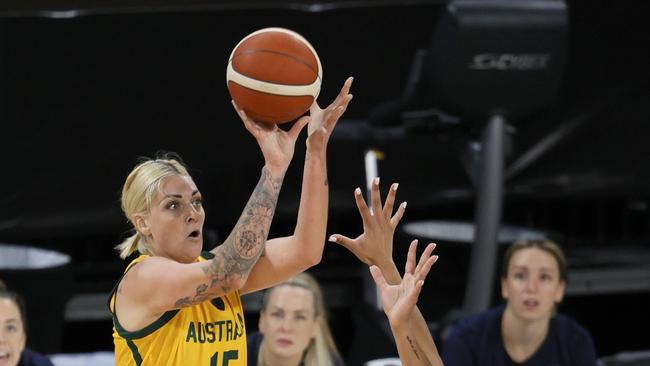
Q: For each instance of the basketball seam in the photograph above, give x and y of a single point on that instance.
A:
(277, 53)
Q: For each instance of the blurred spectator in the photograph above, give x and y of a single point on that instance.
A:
(527, 330)
(293, 327)
(13, 332)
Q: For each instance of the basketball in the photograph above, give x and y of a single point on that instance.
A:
(274, 75)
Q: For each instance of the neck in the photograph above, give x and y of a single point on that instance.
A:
(269, 358)
(522, 337)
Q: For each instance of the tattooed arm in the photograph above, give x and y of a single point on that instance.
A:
(158, 284)
(286, 256)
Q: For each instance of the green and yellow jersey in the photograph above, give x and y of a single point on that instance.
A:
(211, 333)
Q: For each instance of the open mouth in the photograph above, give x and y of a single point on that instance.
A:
(531, 303)
(4, 356)
(195, 234)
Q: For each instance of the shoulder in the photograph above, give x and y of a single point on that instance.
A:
(31, 358)
(478, 323)
(570, 331)
(575, 338)
(472, 336)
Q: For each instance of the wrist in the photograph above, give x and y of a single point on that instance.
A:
(275, 172)
(316, 152)
(389, 270)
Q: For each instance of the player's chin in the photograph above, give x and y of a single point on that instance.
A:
(194, 246)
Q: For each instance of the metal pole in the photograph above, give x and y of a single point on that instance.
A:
(371, 293)
(488, 218)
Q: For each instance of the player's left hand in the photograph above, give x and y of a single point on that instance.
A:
(323, 121)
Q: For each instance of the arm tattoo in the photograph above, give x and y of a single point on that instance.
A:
(235, 258)
(413, 347)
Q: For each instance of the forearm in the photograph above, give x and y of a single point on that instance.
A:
(418, 324)
(311, 224)
(408, 349)
(234, 259)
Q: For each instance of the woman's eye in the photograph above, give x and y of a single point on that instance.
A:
(197, 203)
(519, 275)
(172, 205)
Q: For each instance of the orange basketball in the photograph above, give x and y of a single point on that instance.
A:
(274, 75)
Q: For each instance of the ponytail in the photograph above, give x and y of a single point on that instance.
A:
(132, 244)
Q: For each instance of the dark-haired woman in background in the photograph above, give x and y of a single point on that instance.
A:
(13, 332)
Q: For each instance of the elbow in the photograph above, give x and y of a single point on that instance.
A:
(314, 258)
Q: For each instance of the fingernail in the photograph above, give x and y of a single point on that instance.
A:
(357, 191)
(376, 181)
(404, 204)
(332, 238)
(395, 185)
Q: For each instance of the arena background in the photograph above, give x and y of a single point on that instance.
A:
(88, 87)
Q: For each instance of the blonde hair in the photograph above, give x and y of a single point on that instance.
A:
(138, 190)
(321, 350)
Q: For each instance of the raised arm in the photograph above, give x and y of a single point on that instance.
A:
(286, 256)
(158, 284)
(399, 302)
(375, 247)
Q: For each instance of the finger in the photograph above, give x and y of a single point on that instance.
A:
(345, 91)
(252, 126)
(298, 126)
(347, 85)
(248, 123)
(410, 257)
(424, 271)
(361, 205)
(426, 254)
(394, 221)
(380, 281)
(414, 293)
(375, 196)
(390, 200)
(333, 117)
(342, 240)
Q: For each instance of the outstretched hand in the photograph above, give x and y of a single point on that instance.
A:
(375, 245)
(323, 121)
(276, 144)
(399, 300)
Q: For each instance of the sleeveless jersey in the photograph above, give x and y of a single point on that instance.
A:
(211, 333)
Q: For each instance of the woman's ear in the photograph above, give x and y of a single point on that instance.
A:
(141, 225)
(504, 288)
